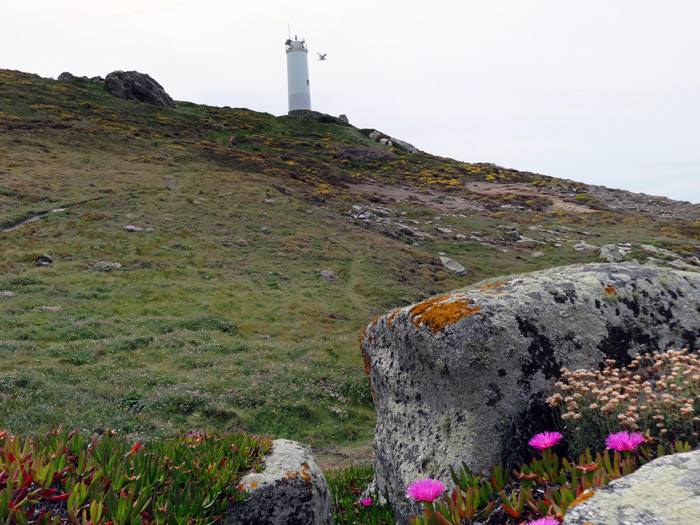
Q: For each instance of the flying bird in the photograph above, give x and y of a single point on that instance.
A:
(321, 56)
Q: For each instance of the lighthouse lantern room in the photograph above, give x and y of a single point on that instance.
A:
(298, 75)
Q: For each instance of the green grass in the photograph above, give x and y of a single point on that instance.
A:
(211, 323)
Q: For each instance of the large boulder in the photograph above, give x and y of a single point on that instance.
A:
(132, 85)
(663, 492)
(290, 491)
(462, 377)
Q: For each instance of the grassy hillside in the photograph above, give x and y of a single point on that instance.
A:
(244, 283)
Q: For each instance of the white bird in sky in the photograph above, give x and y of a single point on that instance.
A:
(321, 56)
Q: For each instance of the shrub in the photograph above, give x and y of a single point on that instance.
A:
(656, 392)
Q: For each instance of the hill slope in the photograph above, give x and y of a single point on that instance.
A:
(242, 276)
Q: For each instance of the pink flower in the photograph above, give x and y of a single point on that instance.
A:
(544, 521)
(545, 440)
(364, 502)
(425, 490)
(624, 441)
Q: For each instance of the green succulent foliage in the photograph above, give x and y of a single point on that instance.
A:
(64, 477)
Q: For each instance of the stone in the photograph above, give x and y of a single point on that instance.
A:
(537, 255)
(453, 266)
(374, 135)
(266, 230)
(65, 76)
(327, 275)
(344, 118)
(409, 148)
(583, 245)
(612, 253)
(463, 376)
(290, 491)
(444, 231)
(513, 234)
(104, 266)
(43, 260)
(6, 293)
(662, 492)
(385, 141)
(242, 242)
(132, 85)
(132, 228)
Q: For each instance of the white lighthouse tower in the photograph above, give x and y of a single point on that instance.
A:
(298, 75)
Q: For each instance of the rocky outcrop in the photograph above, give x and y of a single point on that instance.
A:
(461, 377)
(132, 85)
(290, 491)
(453, 266)
(663, 492)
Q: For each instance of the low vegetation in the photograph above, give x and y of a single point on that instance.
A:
(167, 284)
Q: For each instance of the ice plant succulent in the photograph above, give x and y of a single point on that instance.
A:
(547, 520)
(425, 490)
(624, 441)
(545, 440)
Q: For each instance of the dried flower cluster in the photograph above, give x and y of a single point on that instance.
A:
(659, 392)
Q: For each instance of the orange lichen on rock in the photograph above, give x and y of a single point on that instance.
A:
(391, 318)
(489, 287)
(583, 497)
(305, 475)
(440, 311)
(609, 290)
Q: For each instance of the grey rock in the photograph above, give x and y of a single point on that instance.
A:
(290, 491)
(386, 142)
(97, 80)
(132, 85)
(663, 492)
(536, 255)
(374, 135)
(6, 293)
(583, 245)
(242, 242)
(104, 266)
(453, 266)
(65, 76)
(612, 253)
(266, 230)
(444, 231)
(327, 275)
(43, 260)
(344, 118)
(409, 148)
(513, 234)
(132, 228)
(455, 376)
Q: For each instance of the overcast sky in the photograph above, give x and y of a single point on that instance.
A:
(599, 91)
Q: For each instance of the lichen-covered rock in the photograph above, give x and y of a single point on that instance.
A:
(462, 377)
(453, 266)
(290, 491)
(663, 492)
(132, 85)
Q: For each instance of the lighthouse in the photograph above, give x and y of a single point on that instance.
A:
(298, 75)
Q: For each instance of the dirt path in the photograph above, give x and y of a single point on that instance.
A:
(558, 202)
(429, 198)
(453, 204)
